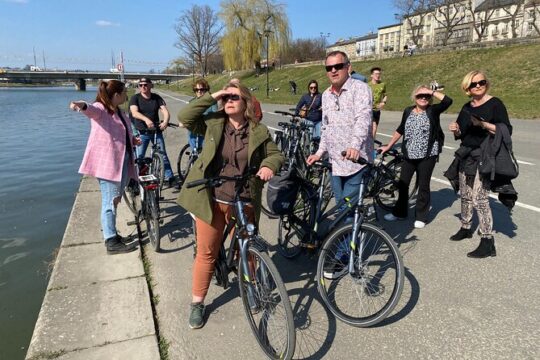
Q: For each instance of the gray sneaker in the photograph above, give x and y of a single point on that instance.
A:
(196, 318)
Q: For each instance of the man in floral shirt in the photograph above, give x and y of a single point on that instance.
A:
(346, 126)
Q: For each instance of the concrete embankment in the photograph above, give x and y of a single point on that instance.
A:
(96, 306)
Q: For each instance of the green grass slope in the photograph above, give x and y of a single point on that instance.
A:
(514, 72)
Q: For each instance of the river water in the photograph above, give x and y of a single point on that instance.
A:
(40, 152)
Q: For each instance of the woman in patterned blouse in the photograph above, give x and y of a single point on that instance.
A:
(423, 140)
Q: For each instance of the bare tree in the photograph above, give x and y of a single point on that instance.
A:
(448, 16)
(480, 20)
(413, 13)
(198, 32)
(514, 24)
(304, 50)
(250, 24)
(534, 13)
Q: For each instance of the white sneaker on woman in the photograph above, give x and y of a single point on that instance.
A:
(419, 224)
(391, 217)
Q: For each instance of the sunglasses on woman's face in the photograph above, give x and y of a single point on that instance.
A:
(478, 83)
(232, 97)
(200, 90)
(313, 88)
(426, 97)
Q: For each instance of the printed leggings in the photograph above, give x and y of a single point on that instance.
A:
(474, 191)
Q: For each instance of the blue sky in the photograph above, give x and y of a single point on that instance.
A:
(81, 34)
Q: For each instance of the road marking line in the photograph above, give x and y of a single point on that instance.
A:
(172, 97)
(493, 196)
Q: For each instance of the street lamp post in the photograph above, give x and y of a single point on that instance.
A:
(267, 34)
(324, 36)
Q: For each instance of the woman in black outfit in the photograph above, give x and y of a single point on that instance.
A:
(475, 123)
(423, 140)
(313, 102)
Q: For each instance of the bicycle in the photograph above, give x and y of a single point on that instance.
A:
(361, 263)
(156, 154)
(387, 191)
(147, 188)
(186, 158)
(264, 296)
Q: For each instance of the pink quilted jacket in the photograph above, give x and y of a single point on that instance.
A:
(106, 147)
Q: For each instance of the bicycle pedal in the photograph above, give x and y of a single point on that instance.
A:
(161, 198)
(131, 223)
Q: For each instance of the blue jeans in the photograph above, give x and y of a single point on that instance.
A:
(141, 150)
(346, 186)
(316, 132)
(111, 190)
(195, 141)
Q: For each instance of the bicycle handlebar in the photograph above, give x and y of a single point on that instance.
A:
(359, 161)
(218, 180)
(285, 113)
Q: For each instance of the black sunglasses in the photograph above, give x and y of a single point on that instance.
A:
(143, 85)
(232, 97)
(200, 89)
(423, 96)
(476, 83)
(338, 67)
(312, 87)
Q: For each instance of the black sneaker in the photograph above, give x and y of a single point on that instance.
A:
(124, 240)
(196, 318)
(115, 246)
(170, 181)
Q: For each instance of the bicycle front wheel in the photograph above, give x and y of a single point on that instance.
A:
(292, 228)
(267, 306)
(182, 164)
(368, 295)
(151, 217)
(157, 168)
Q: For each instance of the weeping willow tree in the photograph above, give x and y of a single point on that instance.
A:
(248, 23)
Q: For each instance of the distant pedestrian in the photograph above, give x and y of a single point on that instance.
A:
(293, 87)
(311, 103)
(476, 121)
(145, 108)
(422, 143)
(378, 89)
(109, 155)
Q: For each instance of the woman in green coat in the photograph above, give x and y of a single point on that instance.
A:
(233, 141)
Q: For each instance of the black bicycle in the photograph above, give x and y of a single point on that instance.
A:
(186, 158)
(266, 302)
(360, 271)
(147, 190)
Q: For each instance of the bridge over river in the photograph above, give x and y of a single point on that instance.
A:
(80, 77)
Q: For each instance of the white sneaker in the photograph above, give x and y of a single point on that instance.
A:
(419, 224)
(391, 217)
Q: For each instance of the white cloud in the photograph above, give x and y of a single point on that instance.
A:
(105, 23)
(17, 1)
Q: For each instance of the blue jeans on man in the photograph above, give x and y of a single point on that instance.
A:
(141, 150)
(346, 186)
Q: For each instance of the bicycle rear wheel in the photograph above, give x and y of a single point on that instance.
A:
(151, 217)
(267, 306)
(182, 164)
(290, 231)
(130, 198)
(388, 189)
(368, 295)
(157, 168)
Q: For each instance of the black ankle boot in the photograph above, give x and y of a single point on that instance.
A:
(462, 234)
(485, 249)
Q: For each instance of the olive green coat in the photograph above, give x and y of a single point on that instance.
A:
(262, 152)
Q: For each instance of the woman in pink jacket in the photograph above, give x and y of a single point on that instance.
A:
(109, 155)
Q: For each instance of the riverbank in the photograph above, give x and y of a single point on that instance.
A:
(96, 305)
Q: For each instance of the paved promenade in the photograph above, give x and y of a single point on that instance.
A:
(101, 307)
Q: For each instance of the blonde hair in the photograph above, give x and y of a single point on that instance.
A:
(245, 95)
(467, 80)
(416, 89)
